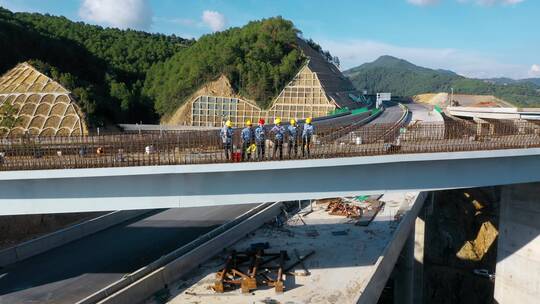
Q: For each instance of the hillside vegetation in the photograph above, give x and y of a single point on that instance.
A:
(390, 74)
(104, 68)
(258, 59)
(131, 76)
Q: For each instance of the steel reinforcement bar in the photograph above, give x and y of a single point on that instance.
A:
(203, 147)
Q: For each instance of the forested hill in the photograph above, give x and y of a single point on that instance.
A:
(131, 76)
(258, 59)
(104, 68)
(390, 74)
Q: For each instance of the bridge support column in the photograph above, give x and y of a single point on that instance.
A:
(404, 273)
(518, 252)
(419, 234)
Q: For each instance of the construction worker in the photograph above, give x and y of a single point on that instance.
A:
(292, 135)
(226, 134)
(248, 139)
(307, 134)
(279, 135)
(260, 139)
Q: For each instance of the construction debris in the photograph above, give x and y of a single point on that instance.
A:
(256, 268)
(344, 209)
(362, 209)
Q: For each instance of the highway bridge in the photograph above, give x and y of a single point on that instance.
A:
(190, 170)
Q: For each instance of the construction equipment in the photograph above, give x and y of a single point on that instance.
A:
(255, 268)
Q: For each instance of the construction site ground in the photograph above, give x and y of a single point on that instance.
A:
(345, 259)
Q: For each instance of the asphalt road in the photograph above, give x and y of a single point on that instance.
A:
(76, 270)
(391, 114)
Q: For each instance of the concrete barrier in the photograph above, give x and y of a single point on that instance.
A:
(387, 261)
(61, 237)
(158, 279)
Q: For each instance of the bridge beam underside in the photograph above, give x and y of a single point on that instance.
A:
(80, 190)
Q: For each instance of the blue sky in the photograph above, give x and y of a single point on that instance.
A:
(477, 38)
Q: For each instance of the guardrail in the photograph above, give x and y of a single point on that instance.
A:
(205, 147)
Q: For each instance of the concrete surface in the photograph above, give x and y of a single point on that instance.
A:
(346, 268)
(73, 271)
(518, 248)
(63, 236)
(496, 113)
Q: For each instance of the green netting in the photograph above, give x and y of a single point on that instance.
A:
(438, 109)
(359, 111)
(338, 111)
(362, 198)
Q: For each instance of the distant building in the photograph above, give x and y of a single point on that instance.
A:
(317, 89)
(43, 106)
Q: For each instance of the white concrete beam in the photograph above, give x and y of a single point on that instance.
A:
(80, 190)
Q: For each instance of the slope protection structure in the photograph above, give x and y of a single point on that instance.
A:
(318, 88)
(43, 106)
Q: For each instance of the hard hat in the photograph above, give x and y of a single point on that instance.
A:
(261, 121)
(277, 121)
(293, 122)
(248, 122)
(228, 123)
(308, 120)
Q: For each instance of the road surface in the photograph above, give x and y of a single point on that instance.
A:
(76, 270)
(391, 114)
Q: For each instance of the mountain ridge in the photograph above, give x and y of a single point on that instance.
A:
(401, 77)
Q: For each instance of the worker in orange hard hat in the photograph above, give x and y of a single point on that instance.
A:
(260, 139)
(279, 135)
(307, 134)
(292, 138)
(248, 139)
(226, 135)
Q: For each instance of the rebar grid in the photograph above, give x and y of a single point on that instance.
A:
(205, 147)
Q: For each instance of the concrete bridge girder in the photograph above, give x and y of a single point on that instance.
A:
(80, 190)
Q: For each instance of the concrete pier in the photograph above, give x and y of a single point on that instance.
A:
(419, 235)
(404, 273)
(518, 253)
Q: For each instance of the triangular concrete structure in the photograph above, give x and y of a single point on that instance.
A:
(44, 107)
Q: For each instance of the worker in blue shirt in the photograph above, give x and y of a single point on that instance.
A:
(260, 139)
(279, 135)
(226, 135)
(248, 139)
(307, 134)
(292, 138)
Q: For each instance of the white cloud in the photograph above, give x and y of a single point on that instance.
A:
(535, 70)
(135, 14)
(214, 20)
(423, 2)
(355, 52)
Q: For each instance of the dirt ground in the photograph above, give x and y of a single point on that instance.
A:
(20, 228)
